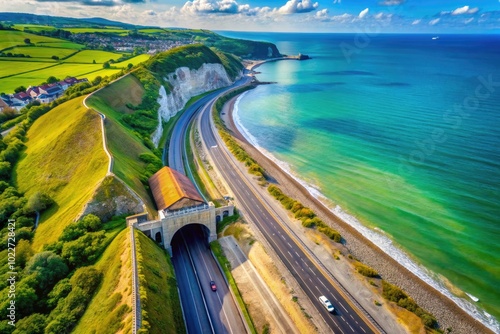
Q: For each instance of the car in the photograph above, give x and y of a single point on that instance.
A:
(213, 286)
(326, 303)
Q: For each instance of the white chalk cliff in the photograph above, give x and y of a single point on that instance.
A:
(184, 84)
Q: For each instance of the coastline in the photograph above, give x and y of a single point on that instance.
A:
(448, 313)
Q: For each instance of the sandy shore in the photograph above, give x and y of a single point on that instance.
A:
(449, 315)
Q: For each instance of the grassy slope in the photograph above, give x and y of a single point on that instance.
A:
(88, 56)
(110, 309)
(65, 159)
(123, 143)
(162, 303)
(43, 52)
(9, 38)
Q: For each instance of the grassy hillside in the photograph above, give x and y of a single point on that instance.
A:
(64, 158)
(159, 297)
(124, 145)
(110, 309)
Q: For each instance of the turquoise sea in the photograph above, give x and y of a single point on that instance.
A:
(399, 134)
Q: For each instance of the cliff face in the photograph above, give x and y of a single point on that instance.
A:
(184, 84)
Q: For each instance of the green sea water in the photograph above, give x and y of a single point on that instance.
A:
(402, 137)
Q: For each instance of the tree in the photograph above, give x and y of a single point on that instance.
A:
(33, 324)
(23, 252)
(55, 57)
(52, 79)
(87, 279)
(4, 169)
(20, 89)
(93, 61)
(97, 80)
(60, 291)
(84, 250)
(38, 202)
(48, 267)
(130, 65)
(106, 65)
(27, 41)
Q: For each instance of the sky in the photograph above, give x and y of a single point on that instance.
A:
(368, 16)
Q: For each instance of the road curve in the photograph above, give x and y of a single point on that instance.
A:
(194, 264)
(313, 280)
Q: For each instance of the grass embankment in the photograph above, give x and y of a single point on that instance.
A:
(161, 308)
(110, 311)
(64, 159)
(123, 143)
(225, 265)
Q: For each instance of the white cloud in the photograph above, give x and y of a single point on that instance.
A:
(363, 13)
(211, 6)
(416, 22)
(392, 2)
(434, 22)
(469, 20)
(464, 10)
(322, 14)
(298, 6)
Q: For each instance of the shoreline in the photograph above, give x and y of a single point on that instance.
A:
(446, 310)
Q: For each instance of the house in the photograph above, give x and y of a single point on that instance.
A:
(33, 91)
(49, 92)
(21, 98)
(3, 105)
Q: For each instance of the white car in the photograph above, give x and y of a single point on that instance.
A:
(326, 303)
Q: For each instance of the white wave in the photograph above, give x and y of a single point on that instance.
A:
(376, 235)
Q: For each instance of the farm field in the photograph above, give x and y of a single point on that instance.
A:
(88, 56)
(62, 44)
(33, 27)
(12, 67)
(10, 38)
(134, 61)
(42, 52)
(7, 85)
(90, 30)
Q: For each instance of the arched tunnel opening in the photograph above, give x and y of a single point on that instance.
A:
(190, 234)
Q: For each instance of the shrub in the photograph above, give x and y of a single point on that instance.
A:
(366, 270)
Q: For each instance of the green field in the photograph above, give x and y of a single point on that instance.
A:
(162, 309)
(134, 61)
(152, 31)
(65, 159)
(11, 67)
(111, 307)
(42, 52)
(63, 44)
(33, 27)
(91, 30)
(34, 78)
(124, 145)
(88, 57)
(10, 38)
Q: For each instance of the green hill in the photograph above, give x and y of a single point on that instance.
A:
(65, 159)
(111, 308)
(124, 144)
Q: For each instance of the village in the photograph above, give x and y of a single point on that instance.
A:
(45, 93)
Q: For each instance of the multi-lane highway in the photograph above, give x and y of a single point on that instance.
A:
(313, 280)
(205, 311)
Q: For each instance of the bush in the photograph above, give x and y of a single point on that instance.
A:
(366, 271)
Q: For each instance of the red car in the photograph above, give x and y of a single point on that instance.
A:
(213, 286)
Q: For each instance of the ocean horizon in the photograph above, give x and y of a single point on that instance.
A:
(398, 136)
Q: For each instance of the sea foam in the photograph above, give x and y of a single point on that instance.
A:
(377, 236)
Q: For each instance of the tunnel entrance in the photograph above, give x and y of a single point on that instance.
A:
(191, 233)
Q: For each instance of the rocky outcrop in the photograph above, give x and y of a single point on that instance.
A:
(184, 84)
(113, 198)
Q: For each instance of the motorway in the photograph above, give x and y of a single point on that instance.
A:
(313, 281)
(205, 311)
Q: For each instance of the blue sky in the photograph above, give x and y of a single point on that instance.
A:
(441, 16)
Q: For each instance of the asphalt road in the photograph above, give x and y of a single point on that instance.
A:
(205, 311)
(311, 279)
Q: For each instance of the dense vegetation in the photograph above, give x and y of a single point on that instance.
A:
(191, 56)
(398, 296)
(304, 214)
